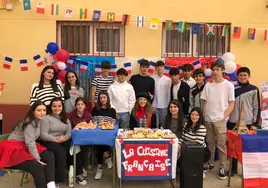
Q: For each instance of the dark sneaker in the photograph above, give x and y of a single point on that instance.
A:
(81, 180)
(205, 167)
(222, 175)
(210, 166)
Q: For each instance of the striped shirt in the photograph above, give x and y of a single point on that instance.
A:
(101, 84)
(46, 94)
(198, 137)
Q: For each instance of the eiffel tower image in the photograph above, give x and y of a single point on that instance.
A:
(241, 127)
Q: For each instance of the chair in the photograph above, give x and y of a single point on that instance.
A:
(10, 171)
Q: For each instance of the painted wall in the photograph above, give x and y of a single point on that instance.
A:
(25, 33)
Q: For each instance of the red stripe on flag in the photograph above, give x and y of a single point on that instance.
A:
(256, 183)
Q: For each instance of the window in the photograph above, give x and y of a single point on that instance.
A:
(186, 44)
(91, 39)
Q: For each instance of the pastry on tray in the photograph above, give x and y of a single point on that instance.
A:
(169, 136)
(85, 125)
(106, 125)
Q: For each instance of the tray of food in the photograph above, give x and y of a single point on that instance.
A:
(106, 126)
(146, 133)
(85, 125)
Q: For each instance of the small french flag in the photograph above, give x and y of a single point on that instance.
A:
(139, 61)
(7, 63)
(38, 60)
(98, 69)
(128, 67)
(197, 64)
(23, 65)
(180, 68)
(70, 62)
(83, 66)
(152, 67)
(113, 70)
(166, 71)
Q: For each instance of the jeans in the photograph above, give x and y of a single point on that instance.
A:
(123, 120)
(160, 116)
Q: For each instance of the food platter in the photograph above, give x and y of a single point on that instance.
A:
(146, 133)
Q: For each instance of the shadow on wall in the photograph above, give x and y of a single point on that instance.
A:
(11, 115)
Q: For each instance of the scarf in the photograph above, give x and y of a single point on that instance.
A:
(141, 112)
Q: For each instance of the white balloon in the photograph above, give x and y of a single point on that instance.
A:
(230, 67)
(228, 56)
(208, 72)
(61, 65)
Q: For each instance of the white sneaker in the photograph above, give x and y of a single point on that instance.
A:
(57, 185)
(204, 175)
(84, 173)
(99, 174)
(109, 162)
(81, 180)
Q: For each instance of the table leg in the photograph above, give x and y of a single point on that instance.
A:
(230, 171)
(173, 182)
(74, 163)
(120, 183)
(242, 184)
(114, 168)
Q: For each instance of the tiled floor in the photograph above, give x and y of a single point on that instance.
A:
(211, 181)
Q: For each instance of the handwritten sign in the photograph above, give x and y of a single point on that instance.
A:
(146, 159)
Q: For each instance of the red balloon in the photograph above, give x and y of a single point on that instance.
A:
(237, 67)
(55, 67)
(62, 55)
(61, 75)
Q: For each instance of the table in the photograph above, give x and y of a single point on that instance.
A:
(252, 153)
(94, 137)
(147, 159)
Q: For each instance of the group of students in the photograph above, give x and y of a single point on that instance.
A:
(43, 138)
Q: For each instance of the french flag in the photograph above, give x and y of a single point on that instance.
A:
(23, 65)
(113, 70)
(128, 67)
(70, 62)
(166, 70)
(255, 161)
(7, 63)
(152, 67)
(38, 60)
(83, 66)
(197, 64)
(180, 68)
(98, 69)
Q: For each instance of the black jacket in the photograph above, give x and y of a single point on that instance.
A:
(133, 121)
(182, 96)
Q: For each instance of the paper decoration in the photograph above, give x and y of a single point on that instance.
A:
(70, 62)
(151, 67)
(54, 9)
(169, 25)
(237, 32)
(125, 19)
(181, 27)
(195, 28)
(128, 67)
(140, 21)
(40, 9)
(27, 5)
(197, 64)
(38, 60)
(266, 35)
(154, 23)
(83, 13)
(23, 65)
(113, 70)
(110, 17)
(209, 29)
(68, 13)
(96, 16)
(83, 66)
(222, 31)
(166, 70)
(251, 33)
(7, 63)
(98, 69)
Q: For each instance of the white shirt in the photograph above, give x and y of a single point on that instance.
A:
(161, 91)
(175, 90)
(122, 96)
(191, 82)
(218, 96)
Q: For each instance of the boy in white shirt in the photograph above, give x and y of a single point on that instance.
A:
(187, 70)
(162, 85)
(219, 100)
(122, 97)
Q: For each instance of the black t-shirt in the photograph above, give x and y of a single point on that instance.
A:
(142, 84)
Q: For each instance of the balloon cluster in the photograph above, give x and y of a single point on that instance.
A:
(57, 58)
(228, 59)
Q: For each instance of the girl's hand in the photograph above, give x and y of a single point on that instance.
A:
(42, 163)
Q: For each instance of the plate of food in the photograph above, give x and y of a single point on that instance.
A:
(85, 125)
(169, 136)
(106, 125)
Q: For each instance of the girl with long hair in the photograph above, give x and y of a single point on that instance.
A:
(175, 118)
(47, 88)
(143, 114)
(72, 90)
(103, 112)
(55, 136)
(21, 151)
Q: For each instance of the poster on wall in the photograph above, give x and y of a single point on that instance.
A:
(264, 105)
(147, 160)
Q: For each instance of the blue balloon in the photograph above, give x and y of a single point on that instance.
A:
(68, 68)
(52, 48)
(233, 76)
(220, 60)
